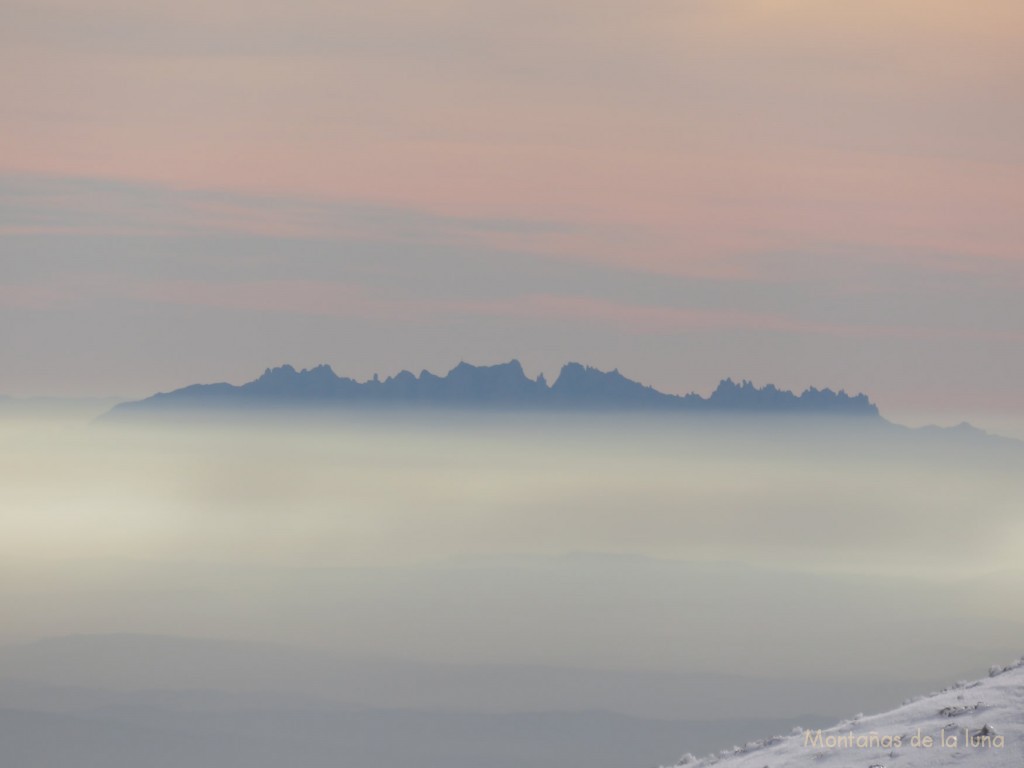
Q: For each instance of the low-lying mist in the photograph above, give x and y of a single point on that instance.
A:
(334, 490)
(510, 562)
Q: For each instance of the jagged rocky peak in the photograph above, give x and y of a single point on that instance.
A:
(585, 385)
(727, 387)
(323, 370)
(728, 393)
(279, 372)
(403, 376)
(745, 396)
(285, 382)
(512, 369)
(577, 373)
(492, 384)
(287, 371)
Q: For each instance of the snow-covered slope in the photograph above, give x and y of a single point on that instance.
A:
(969, 724)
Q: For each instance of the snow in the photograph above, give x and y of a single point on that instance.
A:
(968, 724)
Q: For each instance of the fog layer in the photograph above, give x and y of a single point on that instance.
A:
(487, 563)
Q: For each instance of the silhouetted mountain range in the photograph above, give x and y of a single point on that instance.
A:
(503, 386)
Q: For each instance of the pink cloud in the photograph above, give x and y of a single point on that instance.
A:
(353, 300)
(669, 141)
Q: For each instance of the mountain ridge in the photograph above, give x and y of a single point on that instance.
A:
(502, 386)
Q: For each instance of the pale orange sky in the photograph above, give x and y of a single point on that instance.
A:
(807, 192)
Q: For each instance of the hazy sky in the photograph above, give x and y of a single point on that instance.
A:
(806, 193)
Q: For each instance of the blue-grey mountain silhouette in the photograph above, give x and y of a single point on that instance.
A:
(504, 386)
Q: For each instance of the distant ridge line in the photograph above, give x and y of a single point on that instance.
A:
(502, 386)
